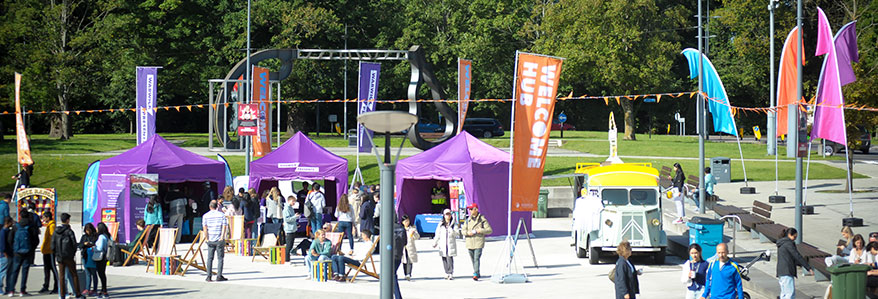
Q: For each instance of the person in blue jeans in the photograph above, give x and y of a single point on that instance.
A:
(345, 216)
(318, 202)
(339, 261)
(23, 238)
(5, 252)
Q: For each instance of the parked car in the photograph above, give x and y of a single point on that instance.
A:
(425, 126)
(484, 127)
(862, 143)
(556, 126)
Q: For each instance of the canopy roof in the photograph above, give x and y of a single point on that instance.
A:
(484, 170)
(172, 163)
(300, 158)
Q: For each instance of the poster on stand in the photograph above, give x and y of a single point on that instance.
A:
(108, 215)
(43, 200)
(142, 186)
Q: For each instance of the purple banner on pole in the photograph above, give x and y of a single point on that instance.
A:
(146, 102)
(368, 93)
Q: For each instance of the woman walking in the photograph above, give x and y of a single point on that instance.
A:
(694, 271)
(345, 217)
(677, 191)
(627, 285)
(100, 257)
(410, 253)
(446, 241)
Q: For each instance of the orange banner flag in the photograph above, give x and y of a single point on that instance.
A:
(262, 140)
(464, 84)
(24, 157)
(536, 85)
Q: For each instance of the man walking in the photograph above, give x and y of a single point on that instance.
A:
(24, 237)
(214, 227)
(47, 249)
(788, 258)
(64, 246)
(476, 228)
(723, 278)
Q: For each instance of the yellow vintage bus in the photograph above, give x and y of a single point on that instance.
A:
(618, 202)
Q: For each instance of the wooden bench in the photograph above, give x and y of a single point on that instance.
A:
(664, 180)
(765, 231)
(759, 214)
(815, 258)
(724, 210)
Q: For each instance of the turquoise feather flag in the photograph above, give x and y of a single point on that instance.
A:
(718, 101)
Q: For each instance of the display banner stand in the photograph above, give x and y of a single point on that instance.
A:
(508, 269)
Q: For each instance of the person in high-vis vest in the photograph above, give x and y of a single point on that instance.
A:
(439, 197)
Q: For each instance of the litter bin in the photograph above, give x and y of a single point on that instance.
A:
(707, 233)
(848, 281)
(721, 169)
(542, 204)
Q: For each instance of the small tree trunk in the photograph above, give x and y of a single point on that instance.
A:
(629, 111)
(295, 121)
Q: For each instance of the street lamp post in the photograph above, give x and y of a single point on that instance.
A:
(387, 122)
(772, 115)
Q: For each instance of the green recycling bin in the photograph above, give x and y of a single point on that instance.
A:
(848, 281)
(542, 204)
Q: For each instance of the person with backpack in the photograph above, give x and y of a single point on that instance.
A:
(99, 255)
(64, 246)
(49, 271)
(5, 252)
(317, 202)
(23, 238)
(475, 228)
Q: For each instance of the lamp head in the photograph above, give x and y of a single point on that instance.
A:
(387, 121)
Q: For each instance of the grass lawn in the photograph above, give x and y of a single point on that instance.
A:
(56, 168)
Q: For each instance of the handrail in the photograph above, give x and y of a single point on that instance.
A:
(734, 231)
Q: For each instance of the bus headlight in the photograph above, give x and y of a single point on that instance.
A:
(655, 222)
(609, 223)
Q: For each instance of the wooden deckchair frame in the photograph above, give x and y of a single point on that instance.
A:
(191, 255)
(336, 239)
(363, 267)
(113, 227)
(138, 251)
(168, 247)
(264, 250)
(231, 232)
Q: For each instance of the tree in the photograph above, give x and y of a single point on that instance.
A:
(612, 47)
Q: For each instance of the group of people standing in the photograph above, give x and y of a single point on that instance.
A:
(19, 242)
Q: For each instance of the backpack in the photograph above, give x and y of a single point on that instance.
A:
(21, 242)
(309, 209)
(65, 244)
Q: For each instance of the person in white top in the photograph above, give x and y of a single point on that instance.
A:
(355, 199)
(445, 239)
(318, 201)
(345, 217)
(859, 253)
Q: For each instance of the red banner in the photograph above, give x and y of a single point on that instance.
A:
(464, 82)
(24, 157)
(262, 140)
(536, 83)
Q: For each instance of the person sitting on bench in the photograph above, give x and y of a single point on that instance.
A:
(339, 261)
(709, 182)
(320, 249)
(843, 249)
(872, 275)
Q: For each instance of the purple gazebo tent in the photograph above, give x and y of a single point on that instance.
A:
(483, 169)
(299, 158)
(156, 155)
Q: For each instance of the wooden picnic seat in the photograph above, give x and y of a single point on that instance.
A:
(263, 250)
(364, 264)
(815, 258)
(164, 244)
(139, 251)
(760, 214)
